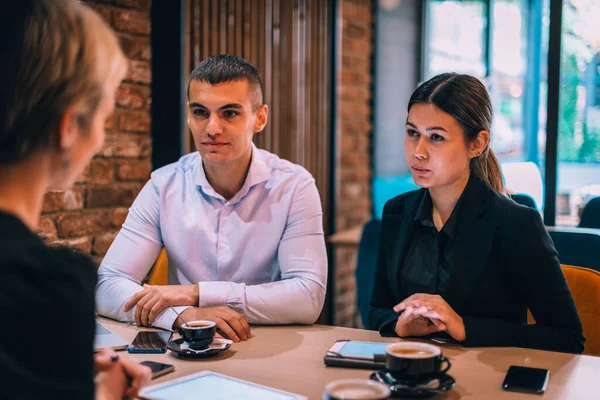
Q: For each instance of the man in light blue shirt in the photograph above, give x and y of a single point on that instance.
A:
(242, 228)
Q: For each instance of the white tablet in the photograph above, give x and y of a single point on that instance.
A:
(208, 385)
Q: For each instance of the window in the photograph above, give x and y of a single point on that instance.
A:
(505, 44)
(579, 105)
(458, 37)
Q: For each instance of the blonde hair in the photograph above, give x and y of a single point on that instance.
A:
(56, 54)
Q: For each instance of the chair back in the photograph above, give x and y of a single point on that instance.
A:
(524, 177)
(590, 217)
(368, 248)
(387, 187)
(524, 199)
(584, 284)
(160, 270)
(577, 246)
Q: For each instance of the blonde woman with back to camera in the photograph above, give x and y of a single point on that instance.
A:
(61, 65)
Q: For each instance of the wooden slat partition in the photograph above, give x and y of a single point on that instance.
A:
(289, 41)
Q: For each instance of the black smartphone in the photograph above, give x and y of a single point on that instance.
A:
(525, 379)
(150, 342)
(158, 369)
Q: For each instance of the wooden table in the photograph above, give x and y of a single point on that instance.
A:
(291, 358)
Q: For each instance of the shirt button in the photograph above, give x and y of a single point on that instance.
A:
(223, 245)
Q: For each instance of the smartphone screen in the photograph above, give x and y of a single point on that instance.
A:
(362, 349)
(150, 342)
(158, 369)
(525, 379)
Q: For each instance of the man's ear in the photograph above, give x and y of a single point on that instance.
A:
(68, 129)
(479, 144)
(262, 115)
(188, 113)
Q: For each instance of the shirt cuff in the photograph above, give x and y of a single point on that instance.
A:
(215, 294)
(167, 317)
(388, 327)
(476, 334)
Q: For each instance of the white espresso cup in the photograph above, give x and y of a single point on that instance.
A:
(356, 389)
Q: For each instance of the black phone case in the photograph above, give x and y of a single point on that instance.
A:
(158, 374)
(524, 389)
(332, 359)
(135, 350)
(348, 362)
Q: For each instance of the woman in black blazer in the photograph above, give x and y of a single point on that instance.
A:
(459, 258)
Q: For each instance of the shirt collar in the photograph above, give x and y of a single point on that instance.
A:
(451, 225)
(15, 229)
(424, 214)
(258, 172)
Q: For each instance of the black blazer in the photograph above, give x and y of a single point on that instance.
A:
(47, 310)
(504, 263)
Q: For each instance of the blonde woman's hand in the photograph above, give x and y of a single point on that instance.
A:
(118, 376)
(111, 380)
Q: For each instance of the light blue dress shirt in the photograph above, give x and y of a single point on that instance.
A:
(262, 253)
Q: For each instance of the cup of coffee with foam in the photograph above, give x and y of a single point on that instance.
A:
(198, 334)
(414, 361)
(356, 389)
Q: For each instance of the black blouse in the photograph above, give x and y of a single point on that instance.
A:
(430, 258)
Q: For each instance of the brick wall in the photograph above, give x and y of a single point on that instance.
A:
(354, 143)
(89, 215)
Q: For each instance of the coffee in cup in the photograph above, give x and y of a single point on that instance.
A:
(415, 361)
(198, 334)
(356, 389)
(413, 353)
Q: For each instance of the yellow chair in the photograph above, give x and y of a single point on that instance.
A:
(584, 284)
(585, 288)
(160, 270)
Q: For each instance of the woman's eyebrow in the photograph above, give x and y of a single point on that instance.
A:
(431, 128)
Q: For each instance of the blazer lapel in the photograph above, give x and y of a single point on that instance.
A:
(474, 239)
(399, 231)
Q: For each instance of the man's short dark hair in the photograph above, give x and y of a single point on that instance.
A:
(227, 68)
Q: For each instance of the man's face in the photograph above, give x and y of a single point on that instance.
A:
(223, 120)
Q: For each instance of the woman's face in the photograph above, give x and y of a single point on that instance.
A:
(435, 147)
(86, 141)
